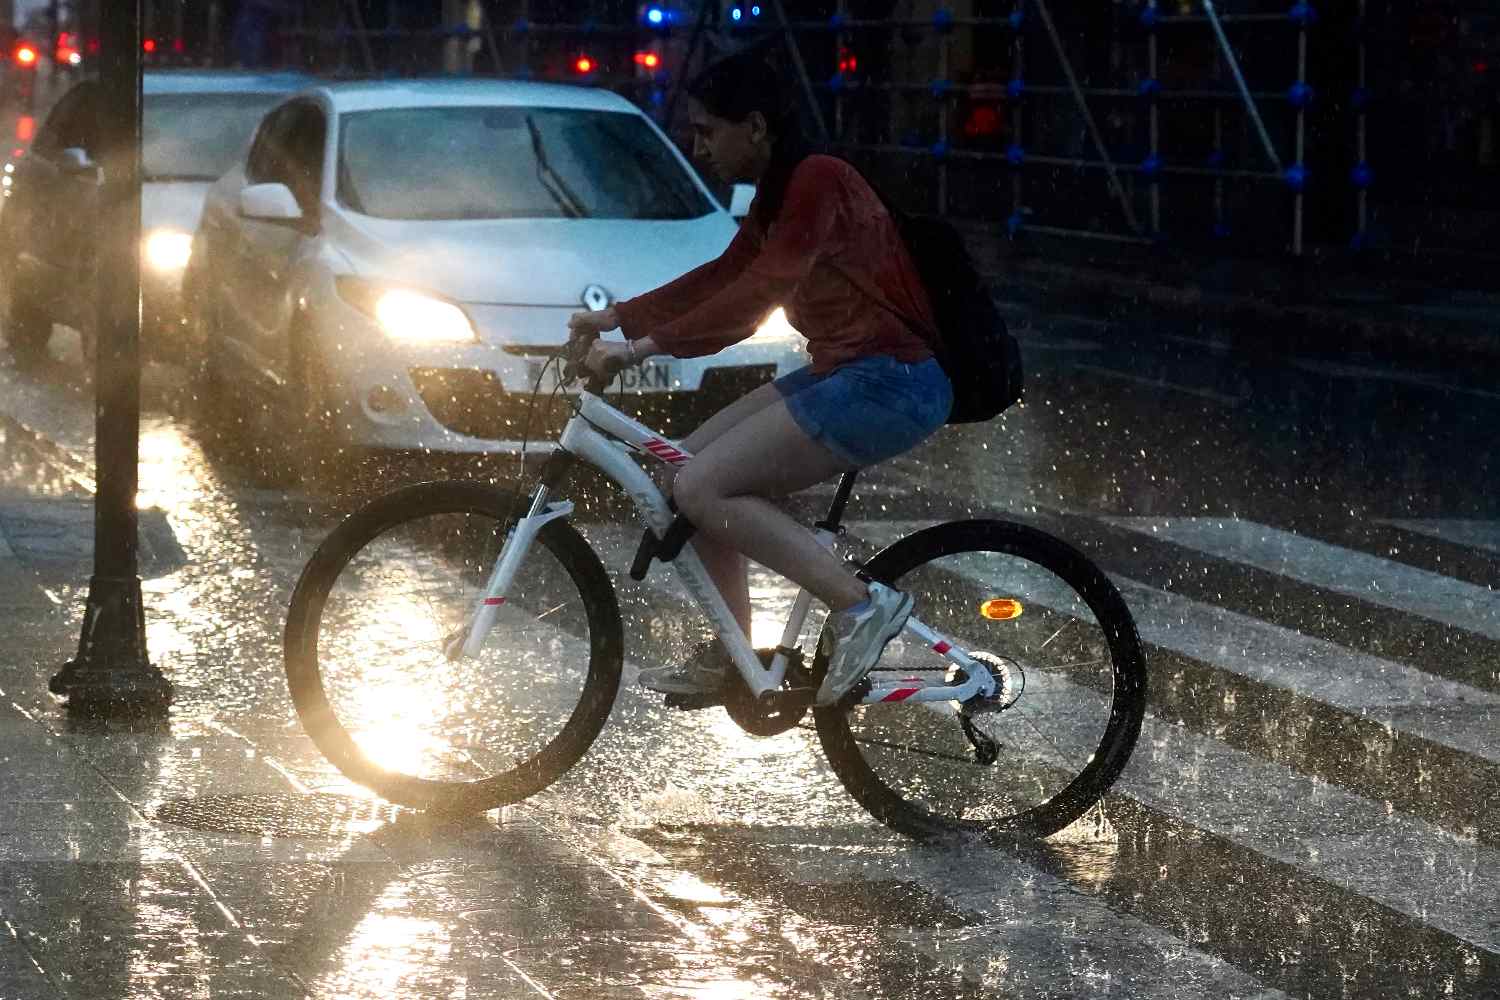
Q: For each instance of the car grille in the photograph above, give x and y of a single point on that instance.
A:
(473, 402)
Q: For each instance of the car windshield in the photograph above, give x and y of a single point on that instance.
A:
(510, 163)
(193, 137)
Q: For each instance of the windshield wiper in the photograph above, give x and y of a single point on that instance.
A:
(555, 185)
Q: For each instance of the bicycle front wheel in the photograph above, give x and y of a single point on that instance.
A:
(378, 606)
(1066, 723)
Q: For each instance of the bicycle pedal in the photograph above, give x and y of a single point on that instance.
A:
(694, 702)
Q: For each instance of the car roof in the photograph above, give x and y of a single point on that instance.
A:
(371, 95)
(199, 81)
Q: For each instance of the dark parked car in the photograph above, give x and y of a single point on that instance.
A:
(195, 124)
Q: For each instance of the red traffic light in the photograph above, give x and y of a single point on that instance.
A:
(648, 60)
(67, 49)
(25, 55)
(584, 64)
(149, 45)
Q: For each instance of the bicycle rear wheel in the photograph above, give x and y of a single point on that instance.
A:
(365, 639)
(1066, 724)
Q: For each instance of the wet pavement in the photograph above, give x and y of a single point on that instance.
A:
(1309, 545)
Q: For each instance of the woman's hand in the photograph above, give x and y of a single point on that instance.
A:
(592, 323)
(606, 357)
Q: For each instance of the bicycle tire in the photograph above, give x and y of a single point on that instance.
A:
(347, 573)
(948, 563)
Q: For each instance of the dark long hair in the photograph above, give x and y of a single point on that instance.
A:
(742, 83)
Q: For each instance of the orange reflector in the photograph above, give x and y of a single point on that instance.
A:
(1001, 609)
(25, 128)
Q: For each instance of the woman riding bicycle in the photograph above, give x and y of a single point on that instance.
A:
(819, 241)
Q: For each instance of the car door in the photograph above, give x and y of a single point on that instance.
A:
(51, 220)
(289, 149)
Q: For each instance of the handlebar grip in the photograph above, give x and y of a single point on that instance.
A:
(573, 368)
(576, 351)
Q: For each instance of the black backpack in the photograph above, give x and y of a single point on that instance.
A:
(978, 353)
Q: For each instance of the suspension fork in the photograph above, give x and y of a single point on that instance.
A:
(512, 553)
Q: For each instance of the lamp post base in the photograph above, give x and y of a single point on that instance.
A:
(111, 674)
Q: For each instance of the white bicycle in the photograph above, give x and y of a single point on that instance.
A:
(453, 657)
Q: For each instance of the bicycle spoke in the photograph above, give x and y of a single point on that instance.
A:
(1054, 635)
(1079, 663)
(934, 754)
(1026, 721)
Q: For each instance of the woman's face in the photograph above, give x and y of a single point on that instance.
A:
(736, 151)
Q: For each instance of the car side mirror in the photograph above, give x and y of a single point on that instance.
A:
(76, 160)
(270, 203)
(740, 199)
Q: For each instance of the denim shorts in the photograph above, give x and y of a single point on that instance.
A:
(869, 410)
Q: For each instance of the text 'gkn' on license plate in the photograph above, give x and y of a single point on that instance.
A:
(653, 376)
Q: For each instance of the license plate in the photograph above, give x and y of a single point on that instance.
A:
(652, 376)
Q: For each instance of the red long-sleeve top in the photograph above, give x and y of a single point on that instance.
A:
(831, 225)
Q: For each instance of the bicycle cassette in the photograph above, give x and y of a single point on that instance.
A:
(1010, 681)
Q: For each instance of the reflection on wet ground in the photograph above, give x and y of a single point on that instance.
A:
(1311, 810)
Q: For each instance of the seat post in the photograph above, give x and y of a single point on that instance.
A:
(835, 513)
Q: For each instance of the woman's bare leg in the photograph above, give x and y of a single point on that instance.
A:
(735, 413)
(723, 490)
(725, 565)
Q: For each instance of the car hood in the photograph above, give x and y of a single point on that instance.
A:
(172, 204)
(528, 262)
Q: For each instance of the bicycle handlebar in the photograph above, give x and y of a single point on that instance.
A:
(574, 368)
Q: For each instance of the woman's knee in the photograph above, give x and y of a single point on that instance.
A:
(695, 492)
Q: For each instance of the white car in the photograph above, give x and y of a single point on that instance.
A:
(394, 263)
(195, 123)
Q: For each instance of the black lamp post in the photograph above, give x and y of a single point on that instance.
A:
(112, 673)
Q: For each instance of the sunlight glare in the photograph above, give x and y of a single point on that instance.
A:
(401, 703)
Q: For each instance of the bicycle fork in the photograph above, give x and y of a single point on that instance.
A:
(517, 544)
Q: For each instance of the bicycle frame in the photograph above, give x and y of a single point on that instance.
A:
(594, 435)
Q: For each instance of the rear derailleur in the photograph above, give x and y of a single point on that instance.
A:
(1005, 673)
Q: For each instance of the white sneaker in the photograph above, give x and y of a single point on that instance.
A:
(704, 671)
(853, 643)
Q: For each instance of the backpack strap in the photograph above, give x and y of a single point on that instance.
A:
(861, 283)
(899, 220)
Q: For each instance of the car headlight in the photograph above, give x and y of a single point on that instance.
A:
(777, 329)
(408, 315)
(168, 250)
